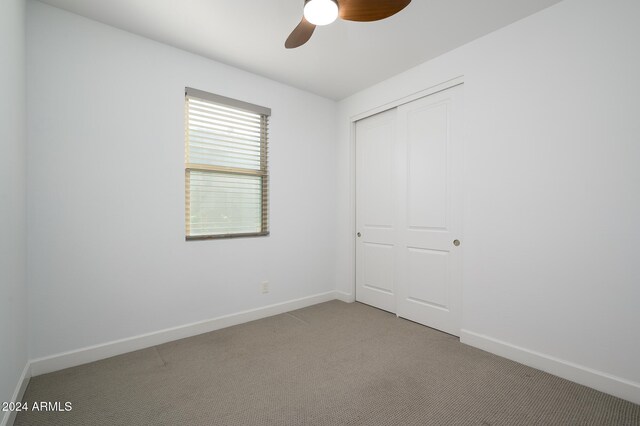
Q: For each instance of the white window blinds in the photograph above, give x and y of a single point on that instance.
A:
(226, 173)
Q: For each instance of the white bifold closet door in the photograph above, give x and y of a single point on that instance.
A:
(408, 210)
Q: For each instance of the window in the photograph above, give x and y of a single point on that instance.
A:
(226, 174)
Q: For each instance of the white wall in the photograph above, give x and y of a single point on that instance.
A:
(107, 255)
(13, 282)
(552, 204)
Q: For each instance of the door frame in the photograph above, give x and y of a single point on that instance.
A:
(352, 172)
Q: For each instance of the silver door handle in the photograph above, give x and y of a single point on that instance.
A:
(359, 235)
(456, 243)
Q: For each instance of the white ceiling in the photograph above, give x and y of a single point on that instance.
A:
(339, 60)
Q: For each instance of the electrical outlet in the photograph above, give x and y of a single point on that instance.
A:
(265, 287)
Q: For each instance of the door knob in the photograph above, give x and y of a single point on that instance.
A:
(456, 243)
(359, 235)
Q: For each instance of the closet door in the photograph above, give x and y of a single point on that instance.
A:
(376, 200)
(428, 185)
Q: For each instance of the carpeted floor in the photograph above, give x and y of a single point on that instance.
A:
(329, 364)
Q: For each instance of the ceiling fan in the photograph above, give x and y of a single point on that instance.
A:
(324, 12)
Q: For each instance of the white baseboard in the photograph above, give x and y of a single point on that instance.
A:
(106, 350)
(10, 416)
(345, 297)
(595, 379)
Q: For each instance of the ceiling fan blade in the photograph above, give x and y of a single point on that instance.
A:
(300, 34)
(370, 10)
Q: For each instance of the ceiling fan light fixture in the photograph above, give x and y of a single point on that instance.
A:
(321, 12)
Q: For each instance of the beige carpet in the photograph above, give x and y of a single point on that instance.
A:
(329, 364)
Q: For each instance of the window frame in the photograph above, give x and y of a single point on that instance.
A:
(264, 113)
